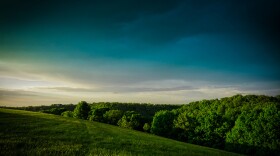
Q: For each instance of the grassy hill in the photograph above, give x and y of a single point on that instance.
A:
(31, 133)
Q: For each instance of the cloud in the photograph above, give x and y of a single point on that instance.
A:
(20, 97)
(150, 21)
(119, 89)
(173, 86)
(167, 91)
(9, 94)
(115, 76)
(191, 18)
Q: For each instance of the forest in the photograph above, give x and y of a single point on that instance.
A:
(243, 124)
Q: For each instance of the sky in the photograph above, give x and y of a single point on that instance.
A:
(147, 51)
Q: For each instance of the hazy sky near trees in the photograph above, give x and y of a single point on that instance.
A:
(154, 51)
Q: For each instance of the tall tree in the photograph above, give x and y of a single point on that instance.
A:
(163, 123)
(81, 111)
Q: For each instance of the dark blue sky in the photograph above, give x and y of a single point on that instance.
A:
(139, 51)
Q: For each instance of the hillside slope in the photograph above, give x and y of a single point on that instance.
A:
(30, 133)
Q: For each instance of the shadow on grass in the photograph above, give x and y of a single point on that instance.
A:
(251, 150)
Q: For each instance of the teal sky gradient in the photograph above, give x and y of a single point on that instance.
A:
(140, 51)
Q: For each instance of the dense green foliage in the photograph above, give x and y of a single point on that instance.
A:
(162, 123)
(67, 114)
(113, 116)
(56, 111)
(258, 129)
(146, 110)
(96, 114)
(82, 110)
(127, 115)
(32, 133)
(147, 127)
(131, 120)
(69, 107)
(246, 124)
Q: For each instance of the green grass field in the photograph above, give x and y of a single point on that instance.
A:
(31, 133)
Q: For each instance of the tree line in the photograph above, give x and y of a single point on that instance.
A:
(128, 115)
(243, 124)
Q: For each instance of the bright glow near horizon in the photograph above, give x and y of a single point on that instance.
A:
(135, 53)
